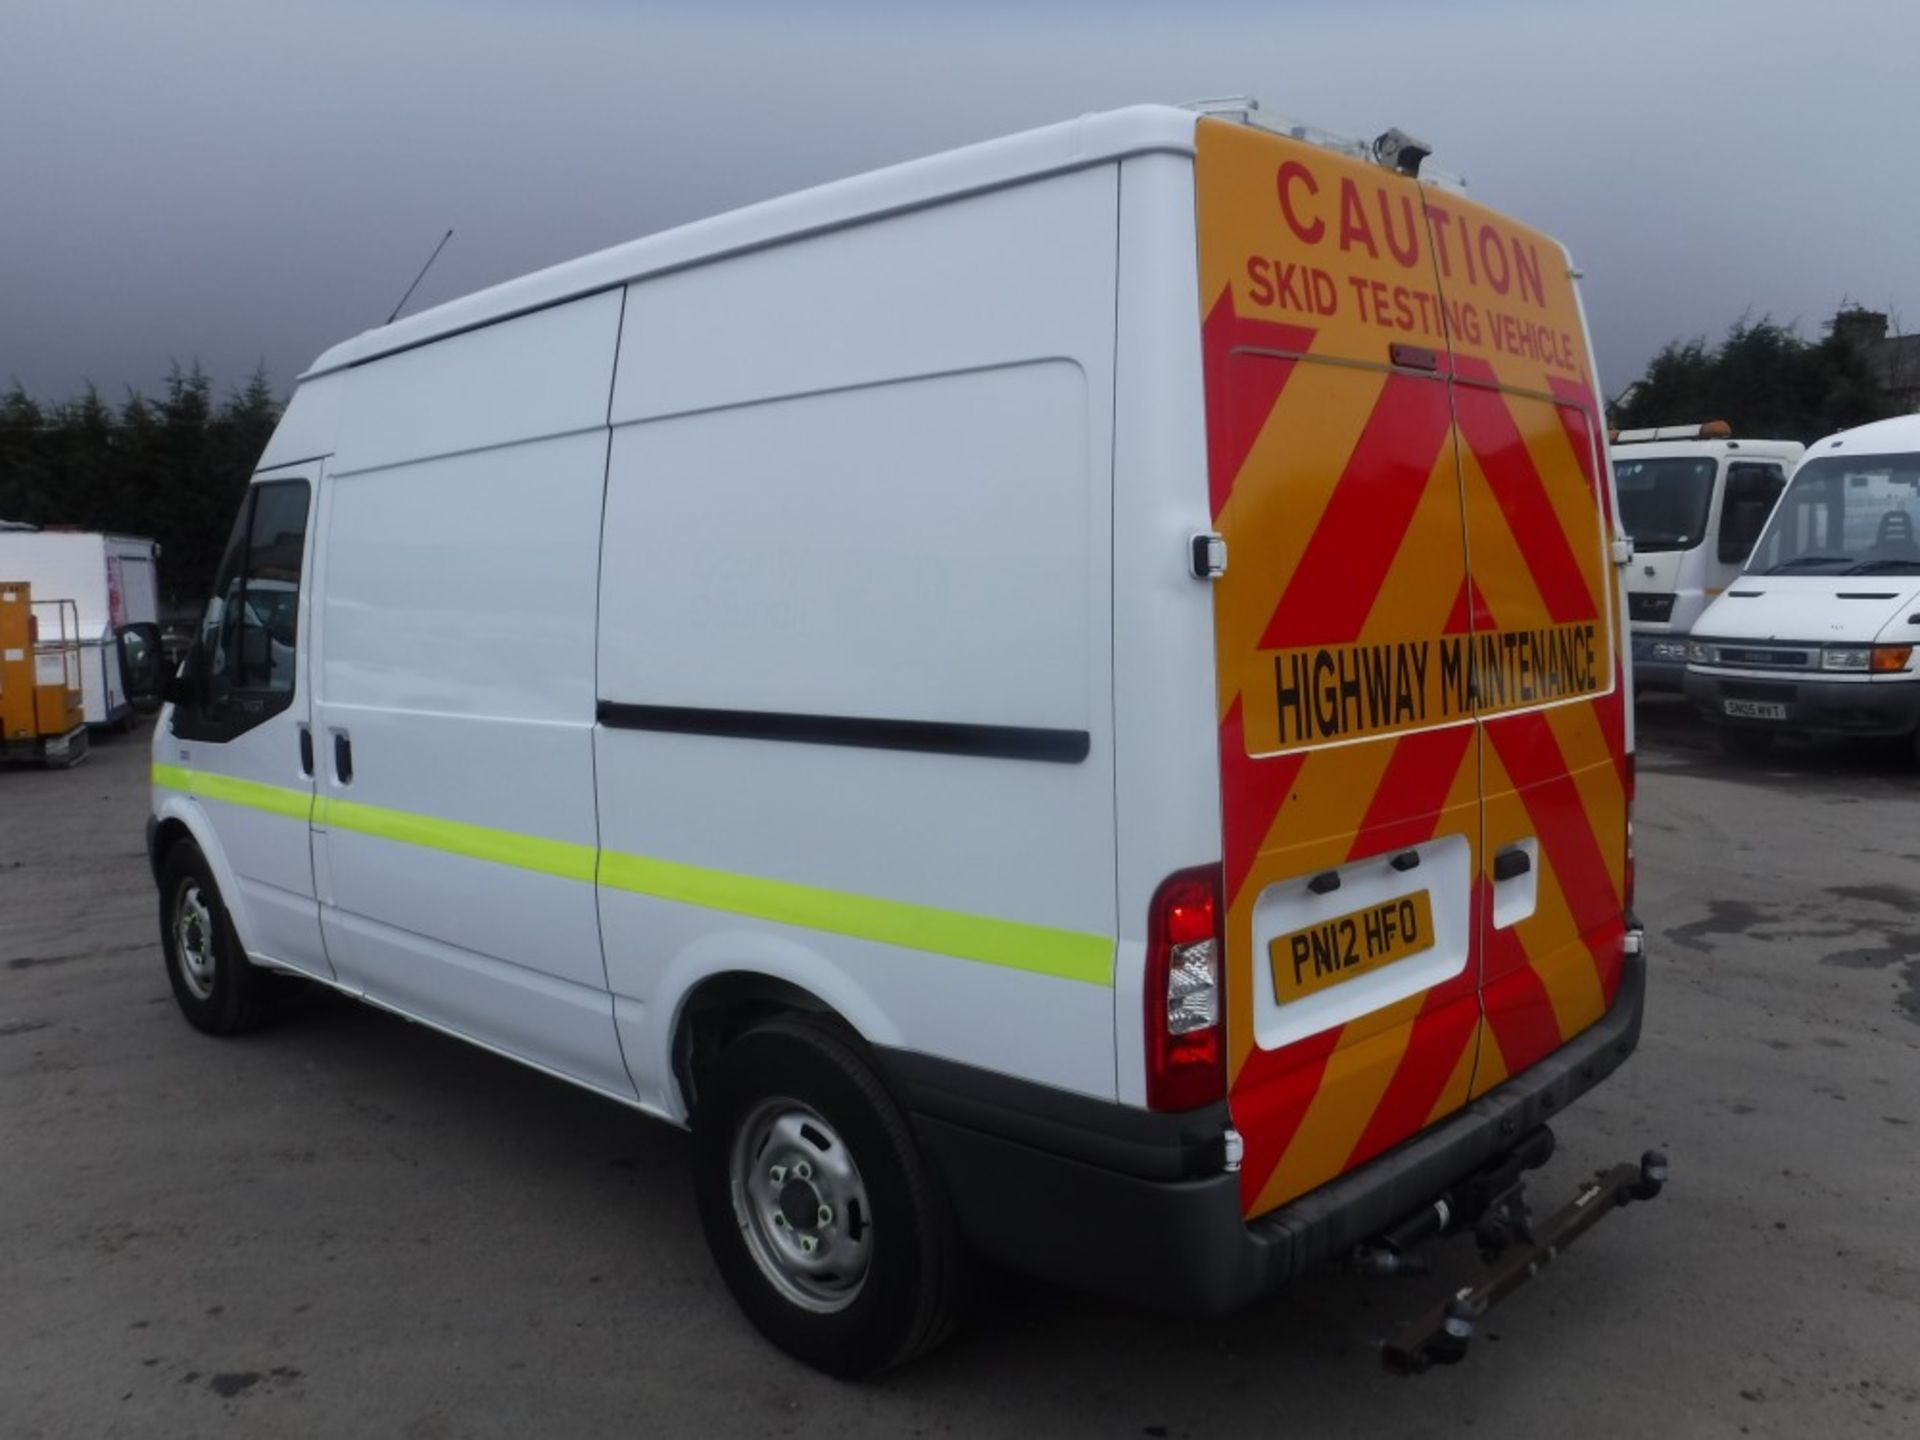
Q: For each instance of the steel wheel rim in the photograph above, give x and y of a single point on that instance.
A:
(801, 1205)
(193, 940)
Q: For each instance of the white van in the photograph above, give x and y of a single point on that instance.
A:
(1692, 499)
(966, 687)
(113, 583)
(1818, 636)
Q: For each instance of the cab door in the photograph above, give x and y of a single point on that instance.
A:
(1550, 888)
(242, 744)
(1348, 757)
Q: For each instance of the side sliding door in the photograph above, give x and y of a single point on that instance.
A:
(456, 579)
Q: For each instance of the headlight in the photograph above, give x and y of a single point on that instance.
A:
(1700, 653)
(1846, 657)
(1671, 650)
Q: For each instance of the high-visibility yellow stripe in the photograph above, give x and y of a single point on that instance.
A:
(1011, 944)
(275, 799)
(172, 777)
(476, 842)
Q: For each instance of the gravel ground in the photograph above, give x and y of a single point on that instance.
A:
(345, 1224)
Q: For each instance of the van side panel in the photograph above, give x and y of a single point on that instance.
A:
(457, 590)
(310, 425)
(860, 490)
(1167, 790)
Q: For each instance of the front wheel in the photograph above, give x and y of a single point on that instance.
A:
(217, 989)
(828, 1226)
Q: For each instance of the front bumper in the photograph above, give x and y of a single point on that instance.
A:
(1181, 1243)
(1816, 707)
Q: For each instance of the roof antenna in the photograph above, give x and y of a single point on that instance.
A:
(421, 276)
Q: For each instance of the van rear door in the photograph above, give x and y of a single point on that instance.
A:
(1348, 755)
(1551, 888)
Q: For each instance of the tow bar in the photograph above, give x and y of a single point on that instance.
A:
(1512, 1248)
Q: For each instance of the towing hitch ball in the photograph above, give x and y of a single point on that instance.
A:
(1653, 1174)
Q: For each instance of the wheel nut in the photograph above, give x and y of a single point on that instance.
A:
(777, 1174)
(826, 1215)
(779, 1221)
(803, 1171)
(808, 1244)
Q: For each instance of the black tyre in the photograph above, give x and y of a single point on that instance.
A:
(1745, 744)
(829, 1227)
(217, 989)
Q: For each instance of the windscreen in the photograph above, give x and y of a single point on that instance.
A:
(1845, 515)
(1663, 502)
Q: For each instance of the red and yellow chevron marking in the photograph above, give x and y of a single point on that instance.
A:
(1415, 636)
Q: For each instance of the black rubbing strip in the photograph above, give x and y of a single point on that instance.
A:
(936, 737)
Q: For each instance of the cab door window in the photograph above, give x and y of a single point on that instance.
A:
(243, 667)
(1751, 491)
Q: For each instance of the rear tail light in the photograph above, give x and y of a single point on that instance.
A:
(1185, 995)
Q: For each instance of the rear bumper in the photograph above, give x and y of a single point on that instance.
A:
(1818, 707)
(1176, 1239)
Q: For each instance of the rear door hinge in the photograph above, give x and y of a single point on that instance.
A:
(1622, 549)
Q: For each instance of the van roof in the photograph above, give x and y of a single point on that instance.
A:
(1052, 149)
(1881, 437)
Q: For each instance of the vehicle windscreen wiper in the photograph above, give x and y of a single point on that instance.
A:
(1883, 567)
(1805, 562)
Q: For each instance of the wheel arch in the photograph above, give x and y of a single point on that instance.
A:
(177, 818)
(725, 1003)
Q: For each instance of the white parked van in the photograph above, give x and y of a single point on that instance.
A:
(1063, 700)
(1692, 499)
(113, 583)
(1818, 636)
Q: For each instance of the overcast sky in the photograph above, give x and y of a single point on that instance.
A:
(252, 180)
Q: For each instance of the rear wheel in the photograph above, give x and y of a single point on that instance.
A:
(1745, 744)
(217, 989)
(827, 1224)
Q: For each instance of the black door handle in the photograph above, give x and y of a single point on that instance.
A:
(306, 752)
(342, 757)
(1511, 864)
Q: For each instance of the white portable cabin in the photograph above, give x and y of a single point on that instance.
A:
(112, 580)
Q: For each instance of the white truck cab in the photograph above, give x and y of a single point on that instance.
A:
(1818, 635)
(1693, 499)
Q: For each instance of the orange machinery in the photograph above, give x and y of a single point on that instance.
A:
(42, 713)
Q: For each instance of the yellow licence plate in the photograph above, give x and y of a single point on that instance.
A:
(1321, 955)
